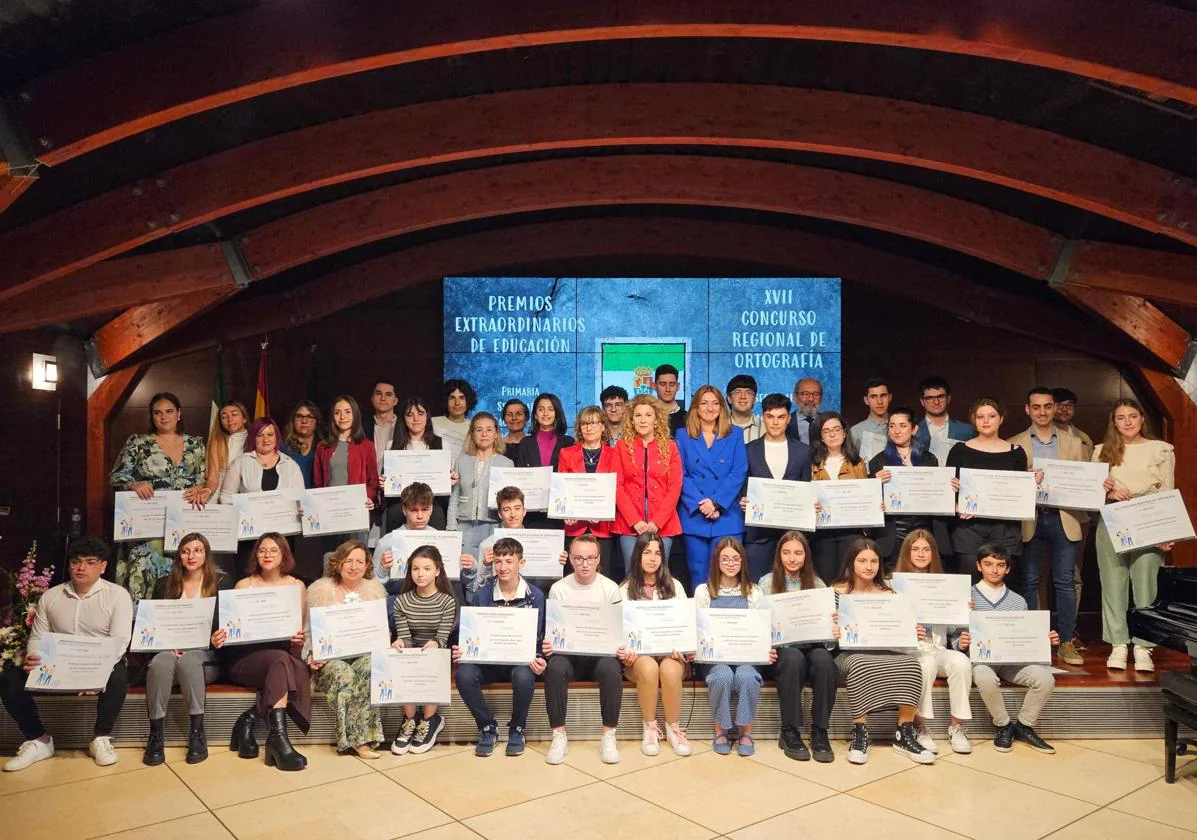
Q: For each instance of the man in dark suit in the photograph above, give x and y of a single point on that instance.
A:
(775, 455)
(808, 396)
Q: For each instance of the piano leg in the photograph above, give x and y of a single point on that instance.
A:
(1171, 727)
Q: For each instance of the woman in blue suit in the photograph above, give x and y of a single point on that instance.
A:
(714, 467)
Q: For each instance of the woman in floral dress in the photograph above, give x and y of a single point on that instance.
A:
(163, 459)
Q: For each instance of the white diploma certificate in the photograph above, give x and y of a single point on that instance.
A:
(410, 676)
(773, 503)
(852, 503)
(498, 635)
(876, 622)
(940, 447)
(659, 628)
(260, 614)
(733, 636)
(349, 630)
(533, 481)
(542, 549)
(803, 616)
(269, 511)
(141, 519)
(401, 467)
(997, 494)
(1147, 521)
(1010, 638)
(936, 599)
(173, 624)
(448, 543)
(585, 628)
(920, 491)
(218, 523)
(334, 510)
(73, 663)
(1072, 484)
(587, 496)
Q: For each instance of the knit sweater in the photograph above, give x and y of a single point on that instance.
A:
(420, 620)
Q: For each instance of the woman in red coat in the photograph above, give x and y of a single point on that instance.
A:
(346, 456)
(649, 472)
(593, 454)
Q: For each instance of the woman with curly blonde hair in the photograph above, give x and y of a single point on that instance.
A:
(648, 480)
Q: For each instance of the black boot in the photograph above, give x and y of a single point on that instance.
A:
(155, 747)
(197, 741)
(243, 740)
(278, 747)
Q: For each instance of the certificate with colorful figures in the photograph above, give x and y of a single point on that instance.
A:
(270, 511)
(585, 628)
(173, 624)
(876, 622)
(498, 635)
(734, 636)
(259, 614)
(410, 676)
(345, 631)
(659, 628)
(218, 524)
(1010, 638)
(73, 663)
(585, 496)
(334, 510)
(802, 617)
(141, 519)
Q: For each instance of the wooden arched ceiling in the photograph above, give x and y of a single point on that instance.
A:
(1143, 45)
(600, 117)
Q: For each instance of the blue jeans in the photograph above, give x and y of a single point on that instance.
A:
(1061, 551)
(470, 679)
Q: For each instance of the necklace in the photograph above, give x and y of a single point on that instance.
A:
(591, 456)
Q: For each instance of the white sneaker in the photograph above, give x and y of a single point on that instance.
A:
(1143, 659)
(923, 736)
(101, 750)
(650, 744)
(1117, 658)
(30, 752)
(959, 739)
(677, 740)
(558, 749)
(608, 749)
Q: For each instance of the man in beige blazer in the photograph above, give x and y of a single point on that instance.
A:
(1054, 531)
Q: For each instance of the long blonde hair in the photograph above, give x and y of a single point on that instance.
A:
(723, 425)
(1113, 448)
(218, 439)
(660, 426)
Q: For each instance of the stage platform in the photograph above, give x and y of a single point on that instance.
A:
(1089, 702)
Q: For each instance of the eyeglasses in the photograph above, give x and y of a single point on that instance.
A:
(89, 562)
(833, 430)
(809, 395)
(305, 417)
(743, 392)
(934, 397)
(583, 561)
(586, 423)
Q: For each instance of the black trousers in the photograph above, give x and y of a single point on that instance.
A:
(564, 669)
(20, 703)
(795, 665)
(828, 548)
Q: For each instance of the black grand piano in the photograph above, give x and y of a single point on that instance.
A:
(1172, 621)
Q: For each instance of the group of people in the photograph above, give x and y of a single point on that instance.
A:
(680, 473)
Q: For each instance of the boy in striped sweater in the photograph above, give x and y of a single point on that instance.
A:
(991, 594)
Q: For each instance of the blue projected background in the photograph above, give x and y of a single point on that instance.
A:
(520, 336)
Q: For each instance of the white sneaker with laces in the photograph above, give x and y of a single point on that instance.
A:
(925, 740)
(608, 749)
(650, 743)
(557, 749)
(1143, 659)
(30, 752)
(101, 750)
(677, 739)
(1117, 658)
(958, 737)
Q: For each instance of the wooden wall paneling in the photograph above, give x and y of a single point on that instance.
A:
(138, 327)
(1181, 416)
(1138, 318)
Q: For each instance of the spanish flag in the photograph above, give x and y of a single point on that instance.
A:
(262, 397)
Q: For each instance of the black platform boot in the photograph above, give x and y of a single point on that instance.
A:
(197, 741)
(278, 746)
(243, 740)
(155, 747)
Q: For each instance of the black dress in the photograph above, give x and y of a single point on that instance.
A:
(968, 535)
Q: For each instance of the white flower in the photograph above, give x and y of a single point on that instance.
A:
(352, 597)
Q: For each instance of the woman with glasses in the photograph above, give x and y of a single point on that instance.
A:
(833, 457)
(304, 427)
(592, 454)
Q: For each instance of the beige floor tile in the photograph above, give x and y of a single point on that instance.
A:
(66, 766)
(1113, 825)
(224, 779)
(452, 831)
(596, 811)
(370, 807)
(841, 816)
(584, 755)
(1147, 750)
(752, 790)
(463, 785)
(98, 806)
(203, 826)
(1074, 771)
(951, 796)
(1174, 804)
(390, 761)
(839, 774)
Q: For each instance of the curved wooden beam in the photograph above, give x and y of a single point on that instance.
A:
(273, 46)
(601, 116)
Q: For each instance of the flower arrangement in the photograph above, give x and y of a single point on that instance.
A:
(25, 588)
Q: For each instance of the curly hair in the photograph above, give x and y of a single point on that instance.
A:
(660, 426)
(337, 559)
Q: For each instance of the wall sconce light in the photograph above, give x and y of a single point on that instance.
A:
(45, 372)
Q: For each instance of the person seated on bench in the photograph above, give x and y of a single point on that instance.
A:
(509, 590)
(649, 580)
(512, 513)
(585, 584)
(193, 574)
(989, 594)
(86, 605)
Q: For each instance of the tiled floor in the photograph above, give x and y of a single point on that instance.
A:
(1089, 789)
